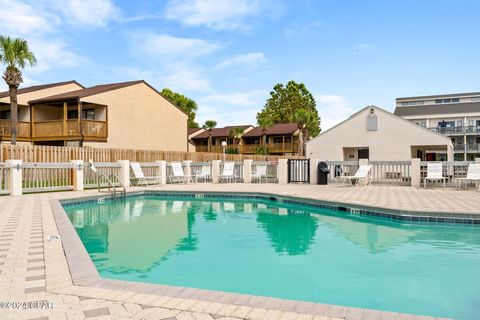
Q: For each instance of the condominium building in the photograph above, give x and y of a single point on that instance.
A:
(118, 115)
(454, 115)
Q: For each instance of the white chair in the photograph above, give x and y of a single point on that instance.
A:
(140, 177)
(362, 174)
(260, 173)
(178, 175)
(473, 175)
(434, 173)
(228, 172)
(205, 174)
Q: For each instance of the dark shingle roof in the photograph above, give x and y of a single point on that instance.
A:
(72, 95)
(447, 108)
(220, 132)
(39, 87)
(277, 129)
(193, 130)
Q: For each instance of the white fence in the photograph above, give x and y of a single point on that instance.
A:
(46, 176)
(451, 171)
(91, 178)
(4, 179)
(382, 172)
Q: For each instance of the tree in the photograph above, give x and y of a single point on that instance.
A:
(184, 103)
(304, 119)
(209, 125)
(264, 122)
(236, 134)
(15, 54)
(284, 103)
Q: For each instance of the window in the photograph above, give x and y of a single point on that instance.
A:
(459, 123)
(277, 140)
(412, 103)
(451, 100)
(5, 114)
(475, 99)
(87, 114)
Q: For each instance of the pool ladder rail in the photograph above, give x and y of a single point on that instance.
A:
(112, 188)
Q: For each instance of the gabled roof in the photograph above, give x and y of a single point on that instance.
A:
(193, 130)
(220, 132)
(385, 111)
(77, 94)
(39, 87)
(432, 109)
(276, 129)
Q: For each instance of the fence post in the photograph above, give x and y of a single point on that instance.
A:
(124, 174)
(162, 170)
(77, 176)
(188, 167)
(215, 170)
(313, 170)
(416, 176)
(282, 171)
(15, 177)
(247, 171)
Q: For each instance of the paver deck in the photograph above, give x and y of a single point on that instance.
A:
(34, 268)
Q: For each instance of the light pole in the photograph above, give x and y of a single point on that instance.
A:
(224, 145)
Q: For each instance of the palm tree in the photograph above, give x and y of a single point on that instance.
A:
(302, 118)
(236, 134)
(209, 125)
(264, 122)
(16, 55)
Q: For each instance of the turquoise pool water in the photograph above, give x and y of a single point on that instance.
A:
(293, 252)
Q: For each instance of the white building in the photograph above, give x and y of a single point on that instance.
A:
(454, 115)
(378, 135)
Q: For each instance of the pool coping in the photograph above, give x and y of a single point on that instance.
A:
(84, 273)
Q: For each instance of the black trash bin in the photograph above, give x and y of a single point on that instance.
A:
(322, 173)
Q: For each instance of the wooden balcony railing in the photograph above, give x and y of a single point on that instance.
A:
(251, 148)
(6, 129)
(70, 128)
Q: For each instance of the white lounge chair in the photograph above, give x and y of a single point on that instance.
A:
(205, 174)
(140, 177)
(362, 174)
(260, 173)
(228, 172)
(434, 173)
(178, 175)
(473, 175)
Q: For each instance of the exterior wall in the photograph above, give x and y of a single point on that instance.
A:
(392, 140)
(473, 97)
(139, 118)
(25, 97)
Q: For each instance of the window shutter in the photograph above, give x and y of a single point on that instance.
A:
(372, 123)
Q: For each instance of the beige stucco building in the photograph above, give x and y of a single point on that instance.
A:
(378, 135)
(119, 115)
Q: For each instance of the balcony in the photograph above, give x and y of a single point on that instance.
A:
(471, 147)
(6, 129)
(252, 148)
(458, 130)
(69, 130)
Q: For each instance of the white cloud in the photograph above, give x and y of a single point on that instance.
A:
(89, 13)
(186, 80)
(166, 46)
(231, 108)
(365, 47)
(332, 110)
(52, 54)
(253, 59)
(20, 18)
(218, 15)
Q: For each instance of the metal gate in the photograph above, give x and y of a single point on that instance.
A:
(299, 170)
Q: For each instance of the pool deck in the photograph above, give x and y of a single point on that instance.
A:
(32, 268)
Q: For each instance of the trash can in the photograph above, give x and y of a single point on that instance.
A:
(322, 174)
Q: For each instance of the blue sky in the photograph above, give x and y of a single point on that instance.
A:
(227, 55)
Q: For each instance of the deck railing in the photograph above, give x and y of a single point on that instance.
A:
(382, 172)
(451, 171)
(6, 128)
(46, 176)
(4, 179)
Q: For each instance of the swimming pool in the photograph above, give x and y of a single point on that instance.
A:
(270, 248)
